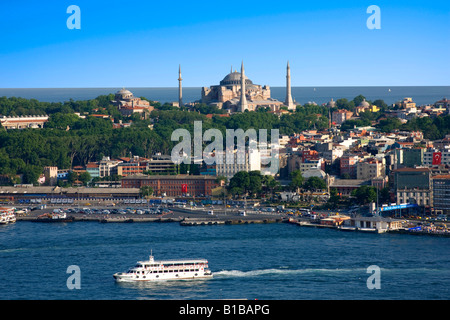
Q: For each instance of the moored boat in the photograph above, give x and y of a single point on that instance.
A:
(7, 215)
(54, 217)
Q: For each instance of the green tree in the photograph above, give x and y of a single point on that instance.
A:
(333, 201)
(358, 99)
(296, 180)
(146, 191)
(85, 177)
(255, 185)
(239, 183)
(389, 124)
(315, 183)
(365, 194)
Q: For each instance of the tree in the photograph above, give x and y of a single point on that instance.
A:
(365, 194)
(343, 103)
(381, 104)
(296, 180)
(255, 185)
(245, 182)
(270, 184)
(31, 174)
(221, 179)
(358, 99)
(240, 180)
(389, 124)
(84, 177)
(314, 183)
(146, 191)
(333, 201)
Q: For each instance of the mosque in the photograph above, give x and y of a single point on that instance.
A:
(237, 93)
(128, 104)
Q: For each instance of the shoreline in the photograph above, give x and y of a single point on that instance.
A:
(201, 219)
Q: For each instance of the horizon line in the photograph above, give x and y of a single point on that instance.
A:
(196, 87)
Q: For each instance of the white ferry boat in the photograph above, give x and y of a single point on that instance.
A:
(151, 270)
(7, 215)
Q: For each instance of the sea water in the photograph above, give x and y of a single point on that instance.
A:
(302, 95)
(252, 261)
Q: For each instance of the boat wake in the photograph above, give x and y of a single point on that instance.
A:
(310, 271)
(278, 271)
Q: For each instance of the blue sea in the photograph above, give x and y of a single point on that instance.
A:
(251, 261)
(302, 95)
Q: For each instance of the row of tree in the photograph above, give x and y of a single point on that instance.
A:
(254, 184)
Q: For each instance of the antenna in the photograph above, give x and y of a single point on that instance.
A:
(151, 255)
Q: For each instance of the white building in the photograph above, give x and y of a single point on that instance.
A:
(248, 161)
(444, 156)
(373, 224)
(106, 167)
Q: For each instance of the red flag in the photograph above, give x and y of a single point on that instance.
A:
(184, 188)
(437, 157)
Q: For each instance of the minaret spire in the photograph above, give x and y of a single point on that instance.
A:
(180, 90)
(243, 102)
(289, 101)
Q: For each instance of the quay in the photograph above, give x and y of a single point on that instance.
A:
(186, 217)
(180, 215)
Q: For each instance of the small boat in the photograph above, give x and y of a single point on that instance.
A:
(54, 217)
(7, 215)
(152, 270)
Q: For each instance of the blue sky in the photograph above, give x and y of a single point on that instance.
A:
(141, 43)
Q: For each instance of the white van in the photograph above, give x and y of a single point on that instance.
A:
(210, 212)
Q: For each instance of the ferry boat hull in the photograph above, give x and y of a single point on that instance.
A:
(125, 277)
(165, 270)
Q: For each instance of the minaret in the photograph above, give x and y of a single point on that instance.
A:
(243, 102)
(289, 102)
(180, 91)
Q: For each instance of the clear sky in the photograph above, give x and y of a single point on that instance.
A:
(141, 43)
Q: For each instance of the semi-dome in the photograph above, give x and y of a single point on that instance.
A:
(234, 78)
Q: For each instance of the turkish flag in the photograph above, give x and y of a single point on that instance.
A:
(437, 156)
(184, 188)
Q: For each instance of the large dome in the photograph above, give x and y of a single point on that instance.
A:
(124, 94)
(234, 78)
(364, 104)
(123, 91)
